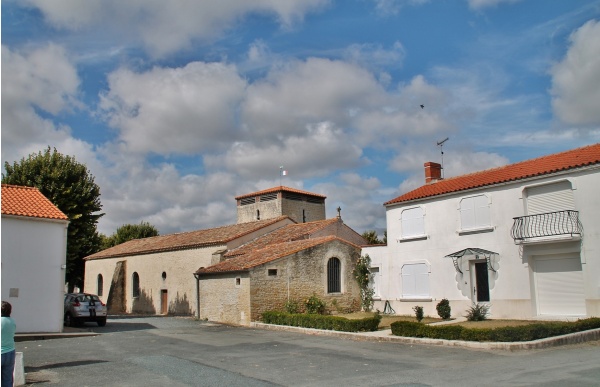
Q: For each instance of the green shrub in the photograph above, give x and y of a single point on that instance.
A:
(318, 321)
(314, 305)
(419, 313)
(528, 332)
(443, 309)
(292, 306)
(477, 312)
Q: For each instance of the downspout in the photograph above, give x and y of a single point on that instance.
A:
(197, 276)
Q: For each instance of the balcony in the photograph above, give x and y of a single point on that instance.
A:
(552, 225)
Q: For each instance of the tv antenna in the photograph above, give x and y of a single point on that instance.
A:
(441, 145)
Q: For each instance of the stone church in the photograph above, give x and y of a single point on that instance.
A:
(281, 249)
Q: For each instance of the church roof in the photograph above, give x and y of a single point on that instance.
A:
(280, 188)
(267, 254)
(28, 201)
(575, 158)
(287, 233)
(184, 240)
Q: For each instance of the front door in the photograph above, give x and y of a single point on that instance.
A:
(164, 306)
(480, 285)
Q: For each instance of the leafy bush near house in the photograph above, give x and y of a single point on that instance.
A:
(529, 332)
(477, 312)
(443, 309)
(419, 313)
(318, 321)
(314, 305)
(292, 306)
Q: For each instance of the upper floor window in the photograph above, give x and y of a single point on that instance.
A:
(413, 222)
(100, 285)
(334, 276)
(550, 198)
(135, 284)
(475, 212)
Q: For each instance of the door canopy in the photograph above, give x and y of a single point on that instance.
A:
(472, 251)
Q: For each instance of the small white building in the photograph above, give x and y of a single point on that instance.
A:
(34, 253)
(523, 238)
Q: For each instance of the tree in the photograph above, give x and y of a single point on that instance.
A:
(70, 187)
(372, 237)
(128, 232)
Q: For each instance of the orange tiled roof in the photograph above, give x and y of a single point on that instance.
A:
(281, 188)
(540, 166)
(287, 233)
(184, 240)
(267, 254)
(28, 201)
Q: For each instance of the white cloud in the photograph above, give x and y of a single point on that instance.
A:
(322, 149)
(164, 27)
(375, 55)
(576, 79)
(308, 92)
(360, 199)
(175, 111)
(480, 4)
(43, 80)
(392, 7)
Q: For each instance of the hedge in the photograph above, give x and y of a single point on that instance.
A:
(319, 321)
(528, 332)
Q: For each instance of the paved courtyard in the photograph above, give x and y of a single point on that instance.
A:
(170, 351)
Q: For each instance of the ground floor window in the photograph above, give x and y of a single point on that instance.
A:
(334, 283)
(415, 280)
(135, 285)
(100, 285)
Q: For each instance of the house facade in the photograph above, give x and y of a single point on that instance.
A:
(191, 273)
(523, 239)
(34, 253)
(155, 275)
(240, 289)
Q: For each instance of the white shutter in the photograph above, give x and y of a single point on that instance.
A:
(467, 213)
(559, 285)
(550, 198)
(375, 281)
(475, 212)
(408, 281)
(413, 223)
(415, 281)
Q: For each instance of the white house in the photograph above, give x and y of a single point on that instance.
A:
(34, 252)
(522, 238)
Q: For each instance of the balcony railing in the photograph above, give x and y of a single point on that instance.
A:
(546, 225)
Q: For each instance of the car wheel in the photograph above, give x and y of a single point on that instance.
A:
(102, 322)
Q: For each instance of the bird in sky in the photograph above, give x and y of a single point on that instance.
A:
(422, 106)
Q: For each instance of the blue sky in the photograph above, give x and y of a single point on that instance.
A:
(177, 107)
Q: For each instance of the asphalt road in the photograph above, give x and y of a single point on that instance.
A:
(169, 351)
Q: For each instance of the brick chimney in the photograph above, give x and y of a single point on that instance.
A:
(433, 172)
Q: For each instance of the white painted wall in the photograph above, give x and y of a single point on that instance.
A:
(511, 286)
(33, 253)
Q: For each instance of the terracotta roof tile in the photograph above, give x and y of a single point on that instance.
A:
(28, 201)
(544, 165)
(287, 233)
(267, 254)
(280, 188)
(184, 240)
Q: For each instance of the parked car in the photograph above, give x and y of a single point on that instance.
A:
(83, 307)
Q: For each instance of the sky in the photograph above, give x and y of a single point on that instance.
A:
(176, 107)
